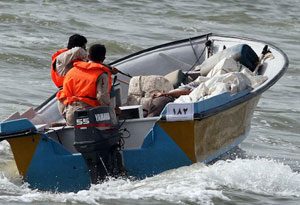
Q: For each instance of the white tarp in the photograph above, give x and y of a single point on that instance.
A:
(241, 53)
(226, 65)
(223, 77)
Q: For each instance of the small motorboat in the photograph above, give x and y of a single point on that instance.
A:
(52, 156)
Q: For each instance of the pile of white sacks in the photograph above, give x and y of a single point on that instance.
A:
(227, 75)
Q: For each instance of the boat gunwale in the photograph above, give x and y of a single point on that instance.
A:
(206, 113)
(255, 92)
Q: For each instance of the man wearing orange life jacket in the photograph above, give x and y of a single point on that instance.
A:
(87, 84)
(63, 59)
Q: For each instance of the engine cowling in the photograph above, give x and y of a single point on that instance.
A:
(97, 138)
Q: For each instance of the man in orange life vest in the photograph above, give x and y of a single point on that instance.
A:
(87, 84)
(63, 59)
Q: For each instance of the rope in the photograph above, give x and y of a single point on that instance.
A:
(207, 44)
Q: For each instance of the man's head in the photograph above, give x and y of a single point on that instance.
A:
(97, 53)
(77, 40)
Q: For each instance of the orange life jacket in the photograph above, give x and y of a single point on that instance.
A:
(56, 78)
(80, 83)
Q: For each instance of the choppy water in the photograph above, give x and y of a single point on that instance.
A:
(31, 30)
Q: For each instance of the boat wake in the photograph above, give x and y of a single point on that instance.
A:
(197, 183)
(4, 148)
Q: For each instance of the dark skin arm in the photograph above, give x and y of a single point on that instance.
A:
(173, 93)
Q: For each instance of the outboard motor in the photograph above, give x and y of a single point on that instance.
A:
(98, 139)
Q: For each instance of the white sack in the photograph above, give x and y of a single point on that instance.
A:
(213, 60)
(145, 85)
(256, 80)
(230, 82)
(184, 99)
(142, 87)
(226, 65)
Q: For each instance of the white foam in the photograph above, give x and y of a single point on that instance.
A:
(197, 183)
(261, 176)
(4, 148)
(10, 188)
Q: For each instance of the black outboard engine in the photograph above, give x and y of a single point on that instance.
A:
(98, 139)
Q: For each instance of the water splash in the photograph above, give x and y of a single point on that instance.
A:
(197, 183)
(4, 148)
(260, 176)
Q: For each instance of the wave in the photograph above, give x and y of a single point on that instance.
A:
(197, 183)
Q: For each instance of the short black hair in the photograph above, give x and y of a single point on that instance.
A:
(97, 52)
(76, 40)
